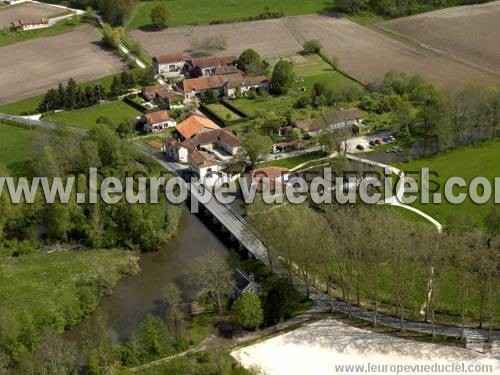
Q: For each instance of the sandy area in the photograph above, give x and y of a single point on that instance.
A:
(32, 67)
(26, 11)
(364, 53)
(469, 33)
(325, 346)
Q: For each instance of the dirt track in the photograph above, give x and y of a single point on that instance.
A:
(364, 53)
(32, 67)
(26, 11)
(469, 33)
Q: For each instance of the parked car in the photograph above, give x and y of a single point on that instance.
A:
(360, 147)
(378, 141)
(387, 140)
(371, 143)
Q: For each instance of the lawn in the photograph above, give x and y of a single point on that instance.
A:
(8, 36)
(194, 12)
(15, 148)
(292, 162)
(314, 69)
(54, 289)
(30, 105)
(224, 112)
(117, 112)
(476, 161)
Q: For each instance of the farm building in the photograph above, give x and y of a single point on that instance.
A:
(30, 24)
(203, 164)
(174, 150)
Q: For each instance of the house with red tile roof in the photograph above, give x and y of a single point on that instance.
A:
(170, 65)
(156, 121)
(268, 178)
(193, 125)
(207, 66)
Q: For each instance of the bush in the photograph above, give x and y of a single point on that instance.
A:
(247, 311)
(312, 46)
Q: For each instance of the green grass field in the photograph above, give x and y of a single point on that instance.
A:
(8, 36)
(48, 286)
(194, 12)
(15, 148)
(313, 70)
(224, 112)
(86, 117)
(477, 161)
(30, 105)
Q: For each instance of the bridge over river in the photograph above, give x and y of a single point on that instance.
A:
(249, 240)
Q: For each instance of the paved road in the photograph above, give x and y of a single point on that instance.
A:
(250, 239)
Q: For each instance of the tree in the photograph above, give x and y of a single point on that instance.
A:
(116, 12)
(251, 62)
(280, 300)
(247, 311)
(112, 37)
(160, 16)
(312, 46)
(403, 117)
(151, 339)
(171, 296)
(99, 346)
(55, 356)
(255, 146)
(211, 276)
(282, 77)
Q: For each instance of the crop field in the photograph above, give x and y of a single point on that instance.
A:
(194, 12)
(363, 53)
(15, 148)
(32, 67)
(476, 161)
(469, 33)
(86, 117)
(26, 11)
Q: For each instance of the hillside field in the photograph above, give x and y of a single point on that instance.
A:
(197, 12)
(15, 148)
(476, 161)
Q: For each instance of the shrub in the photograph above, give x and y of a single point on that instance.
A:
(312, 46)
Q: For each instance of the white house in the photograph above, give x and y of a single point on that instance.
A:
(174, 150)
(203, 164)
(156, 121)
(170, 65)
(245, 84)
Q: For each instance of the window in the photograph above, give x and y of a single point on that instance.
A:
(172, 68)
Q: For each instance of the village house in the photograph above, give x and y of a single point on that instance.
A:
(193, 125)
(208, 66)
(29, 24)
(170, 65)
(149, 92)
(162, 95)
(241, 85)
(156, 121)
(174, 150)
(203, 164)
(268, 178)
(245, 283)
(351, 118)
(220, 142)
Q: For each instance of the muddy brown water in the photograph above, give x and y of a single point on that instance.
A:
(135, 297)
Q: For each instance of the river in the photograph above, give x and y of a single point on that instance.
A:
(136, 296)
